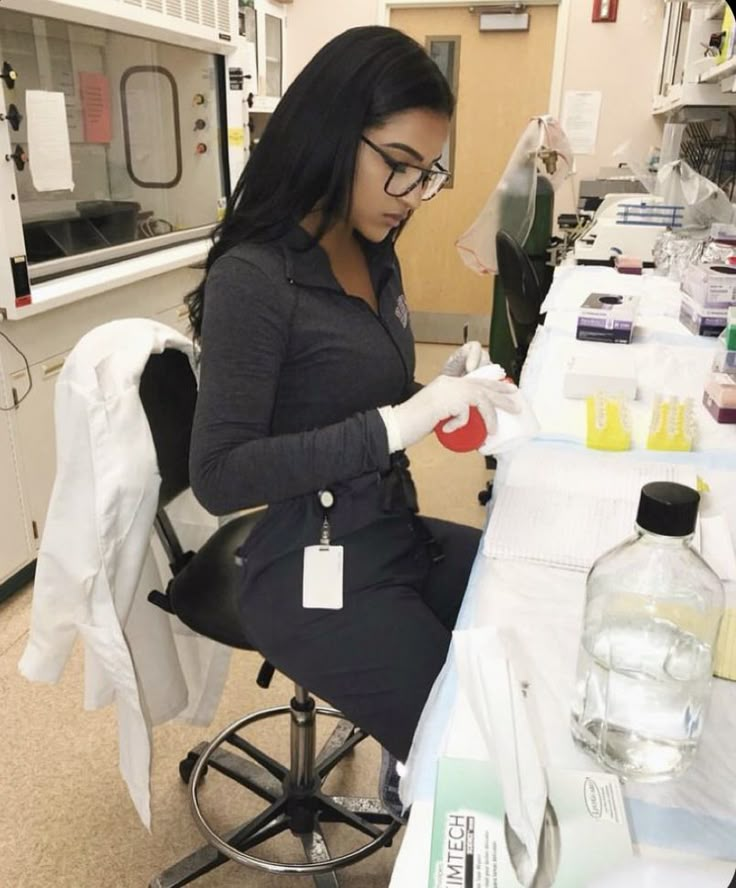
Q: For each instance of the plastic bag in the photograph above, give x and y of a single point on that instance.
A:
(704, 202)
(679, 185)
(543, 149)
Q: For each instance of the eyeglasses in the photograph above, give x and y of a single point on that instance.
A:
(405, 177)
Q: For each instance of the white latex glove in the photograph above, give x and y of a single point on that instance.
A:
(466, 359)
(446, 397)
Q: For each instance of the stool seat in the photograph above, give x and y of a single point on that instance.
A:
(204, 593)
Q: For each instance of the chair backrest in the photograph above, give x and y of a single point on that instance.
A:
(168, 392)
(523, 292)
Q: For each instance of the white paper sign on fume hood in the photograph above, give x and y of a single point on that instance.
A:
(49, 152)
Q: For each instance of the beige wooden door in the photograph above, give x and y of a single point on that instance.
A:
(503, 80)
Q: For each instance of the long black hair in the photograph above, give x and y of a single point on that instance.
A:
(306, 155)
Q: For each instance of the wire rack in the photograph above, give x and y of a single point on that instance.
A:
(712, 156)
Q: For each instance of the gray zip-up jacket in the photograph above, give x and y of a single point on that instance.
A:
(293, 370)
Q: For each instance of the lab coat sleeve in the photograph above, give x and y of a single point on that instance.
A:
(69, 556)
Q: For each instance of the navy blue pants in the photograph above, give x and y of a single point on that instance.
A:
(376, 659)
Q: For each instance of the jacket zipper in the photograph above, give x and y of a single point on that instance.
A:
(376, 315)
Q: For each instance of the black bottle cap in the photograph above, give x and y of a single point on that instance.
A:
(668, 509)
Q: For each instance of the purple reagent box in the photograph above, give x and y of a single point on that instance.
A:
(712, 323)
(607, 317)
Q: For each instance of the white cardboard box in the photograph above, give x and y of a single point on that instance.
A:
(590, 374)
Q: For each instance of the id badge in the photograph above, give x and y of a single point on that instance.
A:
(322, 584)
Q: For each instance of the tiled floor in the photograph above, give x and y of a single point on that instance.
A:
(66, 820)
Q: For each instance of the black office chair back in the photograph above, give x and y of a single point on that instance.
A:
(520, 279)
(523, 295)
(168, 392)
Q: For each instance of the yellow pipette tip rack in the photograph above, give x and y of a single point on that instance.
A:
(725, 659)
(608, 423)
(673, 424)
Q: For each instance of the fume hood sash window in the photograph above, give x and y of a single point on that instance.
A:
(143, 130)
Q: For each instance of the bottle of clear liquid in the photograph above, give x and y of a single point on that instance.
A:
(645, 666)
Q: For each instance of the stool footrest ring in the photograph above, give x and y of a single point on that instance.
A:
(363, 815)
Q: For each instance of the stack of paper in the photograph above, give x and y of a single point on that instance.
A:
(566, 509)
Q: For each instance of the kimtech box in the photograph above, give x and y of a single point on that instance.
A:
(585, 832)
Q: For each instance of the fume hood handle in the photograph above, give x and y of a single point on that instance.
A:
(19, 158)
(14, 117)
(9, 75)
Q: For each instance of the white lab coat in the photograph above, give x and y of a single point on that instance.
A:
(97, 560)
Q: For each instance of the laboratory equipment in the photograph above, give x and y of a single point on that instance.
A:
(626, 225)
(610, 180)
(672, 426)
(645, 664)
(608, 423)
(123, 131)
(725, 663)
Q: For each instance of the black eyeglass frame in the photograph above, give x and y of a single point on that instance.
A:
(398, 166)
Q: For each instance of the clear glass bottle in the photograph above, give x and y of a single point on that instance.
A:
(653, 607)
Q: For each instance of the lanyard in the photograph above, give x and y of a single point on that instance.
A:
(327, 501)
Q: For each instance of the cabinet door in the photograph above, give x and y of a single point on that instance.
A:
(15, 547)
(270, 28)
(674, 41)
(36, 436)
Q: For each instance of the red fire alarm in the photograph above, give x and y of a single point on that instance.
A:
(605, 10)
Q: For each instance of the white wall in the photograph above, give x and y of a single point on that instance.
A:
(311, 23)
(619, 59)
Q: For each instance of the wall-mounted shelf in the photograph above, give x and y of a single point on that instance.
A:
(719, 72)
(685, 95)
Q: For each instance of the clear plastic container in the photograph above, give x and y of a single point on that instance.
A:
(653, 607)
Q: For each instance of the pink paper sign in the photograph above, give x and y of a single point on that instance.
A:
(94, 90)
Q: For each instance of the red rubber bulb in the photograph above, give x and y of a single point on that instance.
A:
(466, 438)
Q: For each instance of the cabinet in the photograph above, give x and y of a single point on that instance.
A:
(16, 548)
(27, 434)
(688, 76)
(270, 48)
(177, 317)
(263, 25)
(35, 424)
(35, 434)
